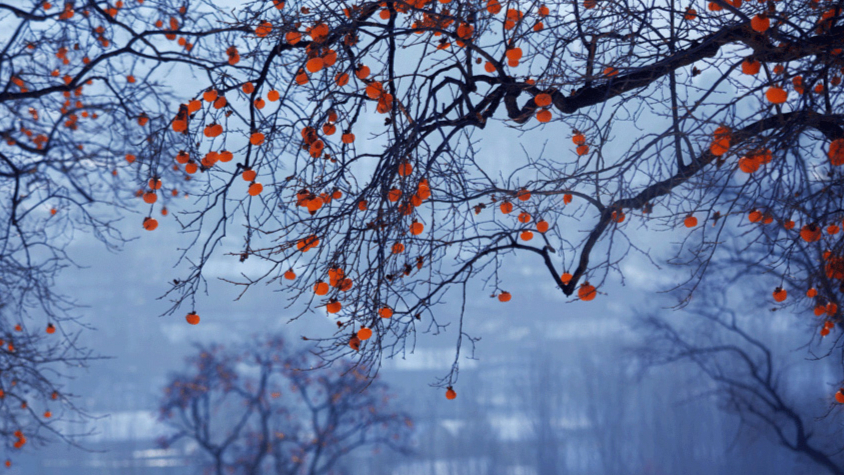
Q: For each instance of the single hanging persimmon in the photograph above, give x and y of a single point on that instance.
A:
(213, 130)
(523, 195)
(362, 72)
(51, 329)
(315, 64)
(524, 217)
(749, 164)
(293, 37)
(542, 226)
(754, 216)
(249, 174)
(257, 138)
(321, 288)
(565, 278)
(504, 297)
(618, 216)
(836, 152)
(192, 318)
(721, 142)
(416, 228)
(385, 312)
(194, 105)
(544, 116)
(398, 248)
(255, 189)
(374, 90)
(405, 169)
(760, 23)
(354, 343)
(290, 275)
(690, 221)
(839, 396)
(364, 333)
(776, 95)
(333, 306)
(150, 223)
(780, 294)
(586, 292)
(542, 100)
(750, 67)
(526, 235)
(506, 207)
(810, 233)
(150, 197)
(450, 393)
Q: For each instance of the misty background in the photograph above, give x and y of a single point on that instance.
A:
(554, 386)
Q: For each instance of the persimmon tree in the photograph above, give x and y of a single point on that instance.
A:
(252, 409)
(360, 175)
(82, 100)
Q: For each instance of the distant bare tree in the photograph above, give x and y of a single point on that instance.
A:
(544, 404)
(252, 410)
(747, 374)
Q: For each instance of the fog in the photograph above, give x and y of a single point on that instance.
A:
(554, 387)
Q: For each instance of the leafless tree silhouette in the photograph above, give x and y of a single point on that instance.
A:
(748, 378)
(252, 410)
